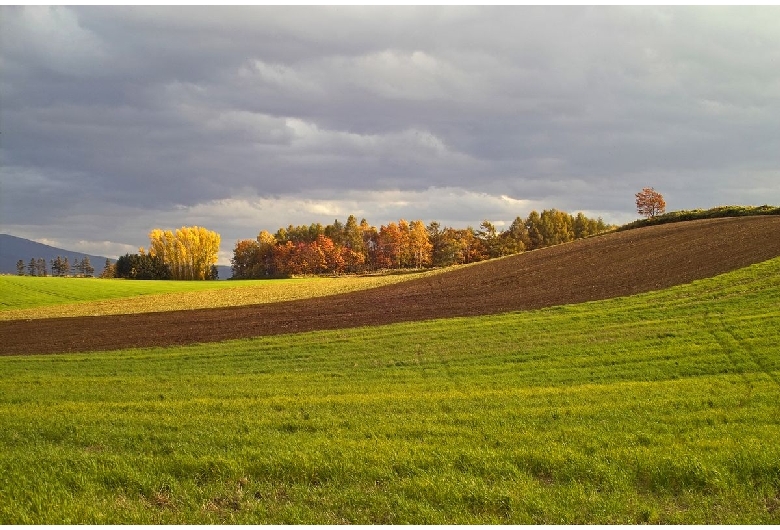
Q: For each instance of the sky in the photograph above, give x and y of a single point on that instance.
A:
(117, 120)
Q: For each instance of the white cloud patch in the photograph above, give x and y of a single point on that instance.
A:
(415, 145)
(397, 74)
(278, 76)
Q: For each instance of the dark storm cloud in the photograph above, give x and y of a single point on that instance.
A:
(273, 115)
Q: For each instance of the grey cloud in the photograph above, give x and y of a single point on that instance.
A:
(572, 107)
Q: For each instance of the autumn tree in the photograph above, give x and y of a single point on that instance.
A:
(164, 244)
(556, 227)
(334, 260)
(420, 246)
(532, 228)
(267, 245)
(446, 248)
(189, 252)
(650, 203)
(404, 248)
(353, 260)
(255, 259)
(515, 238)
(310, 258)
(246, 261)
(282, 260)
(353, 248)
(389, 247)
(468, 246)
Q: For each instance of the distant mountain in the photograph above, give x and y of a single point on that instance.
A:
(13, 249)
(225, 272)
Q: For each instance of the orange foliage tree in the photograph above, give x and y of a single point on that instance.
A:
(650, 203)
(354, 247)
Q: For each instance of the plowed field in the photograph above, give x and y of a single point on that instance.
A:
(598, 268)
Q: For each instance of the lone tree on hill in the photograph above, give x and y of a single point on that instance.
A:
(650, 203)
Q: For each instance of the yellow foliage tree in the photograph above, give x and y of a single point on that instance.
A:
(420, 244)
(190, 252)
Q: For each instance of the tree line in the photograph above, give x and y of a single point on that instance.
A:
(189, 253)
(59, 267)
(353, 247)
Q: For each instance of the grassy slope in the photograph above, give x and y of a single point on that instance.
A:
(31, 297)
(662, 407)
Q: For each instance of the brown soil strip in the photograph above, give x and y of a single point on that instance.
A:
(598, 268)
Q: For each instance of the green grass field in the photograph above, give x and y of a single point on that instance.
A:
(657, 408)
(25, 297)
